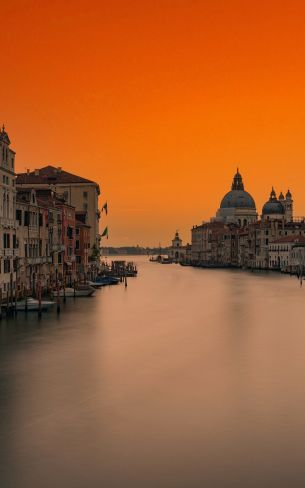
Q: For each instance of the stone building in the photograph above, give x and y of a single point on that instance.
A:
(79, 192)
(283, 253)
(8, 224)
(34, 258)
(82, 246)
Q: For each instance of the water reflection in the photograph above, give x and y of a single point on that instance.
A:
(186, 378)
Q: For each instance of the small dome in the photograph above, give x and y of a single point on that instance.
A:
(288, 195)
(273, 206)
(281, 196)
(237, 199)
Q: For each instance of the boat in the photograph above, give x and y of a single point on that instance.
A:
(106, 280)
(80, 291)
(95, 284)
(166, 261)
(156, 259)
(32, 305)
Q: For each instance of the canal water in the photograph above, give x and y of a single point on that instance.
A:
(188, 378)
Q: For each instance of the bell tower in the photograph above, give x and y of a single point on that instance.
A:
(288, 204)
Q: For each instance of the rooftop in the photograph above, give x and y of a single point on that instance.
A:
(51, 175)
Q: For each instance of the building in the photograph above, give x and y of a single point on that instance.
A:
(235, 237)
(284, 253)
(82, 246)
(237, 206)
(34, 257)
(177, 250)
(79, 192)
(8, 224)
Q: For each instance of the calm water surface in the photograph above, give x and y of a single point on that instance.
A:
(187, 378)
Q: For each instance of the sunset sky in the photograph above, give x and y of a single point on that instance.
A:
(159, 102)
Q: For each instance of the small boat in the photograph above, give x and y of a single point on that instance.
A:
(166, 261)
(156, 259)
(80, 291)
(95, 284)
(106, 280)
(32, 305)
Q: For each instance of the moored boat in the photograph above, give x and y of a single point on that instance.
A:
(106, 280)
(32, 305)
(80, 291)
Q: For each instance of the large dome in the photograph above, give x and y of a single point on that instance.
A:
(237, 199)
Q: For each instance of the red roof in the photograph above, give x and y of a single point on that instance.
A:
(50, 175)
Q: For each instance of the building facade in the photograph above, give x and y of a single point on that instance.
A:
(78, 192)
(8, 224)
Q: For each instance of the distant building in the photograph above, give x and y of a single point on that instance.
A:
(79, 192)
(235, 237)
(177, 252)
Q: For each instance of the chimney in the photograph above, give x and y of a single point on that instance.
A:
(27, 171)
(59, 169)
(36, 172)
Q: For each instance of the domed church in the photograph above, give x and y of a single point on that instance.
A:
(237, 206)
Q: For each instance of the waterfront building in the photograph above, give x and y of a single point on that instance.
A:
(52, 203)
(237, 206)
(177, 250)
(78, 192)
(8, 224)
(284, 253)
(82, 246)
(34, 257)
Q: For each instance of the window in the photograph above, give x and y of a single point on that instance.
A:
(70, 232)
(26, 218)
(85, 194)
(6, 241)
(77, 231)
(7, 266)
(19, 216)
(78, 259)
(77, 247)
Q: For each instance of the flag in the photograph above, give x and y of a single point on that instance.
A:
(105, 207)
(105, 232)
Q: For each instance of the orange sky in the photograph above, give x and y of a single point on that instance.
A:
(158, 101)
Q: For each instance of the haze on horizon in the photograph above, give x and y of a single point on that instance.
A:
(158, 101)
